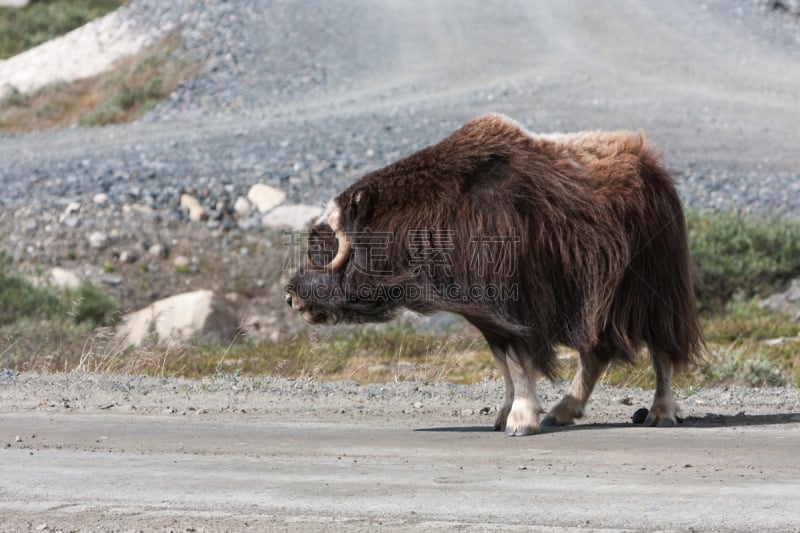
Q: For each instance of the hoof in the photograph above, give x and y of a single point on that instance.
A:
(552, 421)
(661, 422)
(521, 431)
(564, 412)
(523, 419)
(663, 414)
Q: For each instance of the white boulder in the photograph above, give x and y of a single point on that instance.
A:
(64, 279)
(193, 207)
(178, 318)
(242, 207)
(291, 217)
(265, 197)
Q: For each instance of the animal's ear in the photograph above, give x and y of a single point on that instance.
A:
(361, 203)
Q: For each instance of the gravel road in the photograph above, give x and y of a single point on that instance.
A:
(307, 96)
(108, 452)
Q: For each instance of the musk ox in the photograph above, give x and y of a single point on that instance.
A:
(537, 240)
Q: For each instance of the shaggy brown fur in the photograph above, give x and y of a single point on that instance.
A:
(585, 231)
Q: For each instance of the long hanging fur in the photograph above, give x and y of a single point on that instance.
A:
(599, 254)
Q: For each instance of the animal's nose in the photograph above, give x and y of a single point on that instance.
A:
(288, 299)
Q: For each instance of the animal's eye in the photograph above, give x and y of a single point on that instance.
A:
(322, 245)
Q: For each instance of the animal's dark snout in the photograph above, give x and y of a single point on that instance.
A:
(288, 299)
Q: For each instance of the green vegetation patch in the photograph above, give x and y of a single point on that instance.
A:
(42, 20)
(741, 254)
(21, 299)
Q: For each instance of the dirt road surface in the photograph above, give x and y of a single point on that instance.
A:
(126, 452)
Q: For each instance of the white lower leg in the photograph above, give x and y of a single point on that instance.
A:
(523, 418)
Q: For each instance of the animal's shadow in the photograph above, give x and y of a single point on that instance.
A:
(709, 420)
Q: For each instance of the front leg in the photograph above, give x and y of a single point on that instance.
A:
(523, 418)
(500, 356)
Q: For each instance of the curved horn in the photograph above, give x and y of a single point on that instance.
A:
(335, 222)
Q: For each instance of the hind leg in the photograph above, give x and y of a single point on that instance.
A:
(500, 357)
(571, 406)
(664, 411)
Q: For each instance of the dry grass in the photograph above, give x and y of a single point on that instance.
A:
(135, 85)
(380, 355)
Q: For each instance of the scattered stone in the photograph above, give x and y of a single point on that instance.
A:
(789, 6)
(291, 217)
(18, 439)
(128, 256)
(180, 317)
(158, 251)
(63, 278)
(112, 281)
(100, 199)
(98, 240)
(181, 262)
(242, 207)
(193, 207)
(140, 209)
(71, 209)
(233, 297)
(264, 197)
(640, 415)
(71, 222)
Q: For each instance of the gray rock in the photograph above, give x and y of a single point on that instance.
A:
(787, 302)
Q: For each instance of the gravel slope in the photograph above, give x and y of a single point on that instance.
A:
(309, 95)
